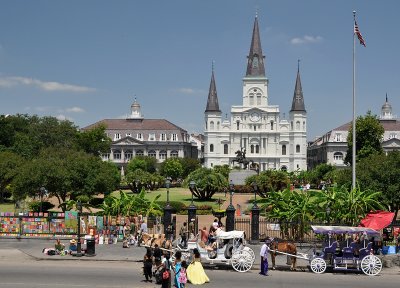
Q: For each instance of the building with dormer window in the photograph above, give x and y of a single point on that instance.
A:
(332, 147)
(137, 136)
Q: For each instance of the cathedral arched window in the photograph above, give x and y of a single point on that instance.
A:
(283, 149)
(237, 125)
(225, 148)
(258, 98)
(174, 154)
(257, 149)
(251, 99)
(212, 125)
(252, 149)
(272, 125)
(298, 125)
(218, 125)
(304, 125)
(211, 147)
(297, 148)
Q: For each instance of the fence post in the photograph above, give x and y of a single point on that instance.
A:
(255, 222)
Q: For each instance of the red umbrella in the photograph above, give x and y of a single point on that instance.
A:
(377, 220)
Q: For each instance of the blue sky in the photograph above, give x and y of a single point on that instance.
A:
(87, 60)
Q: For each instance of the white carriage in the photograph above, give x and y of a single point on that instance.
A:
(230, 249)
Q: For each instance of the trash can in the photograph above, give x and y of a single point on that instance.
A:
(90, 247)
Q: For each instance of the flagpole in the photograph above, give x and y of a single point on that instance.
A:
(354, 105)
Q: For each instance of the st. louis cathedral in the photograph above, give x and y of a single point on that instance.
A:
(255, 127)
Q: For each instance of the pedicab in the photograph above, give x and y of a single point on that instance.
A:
(351, 256)
(230, 249)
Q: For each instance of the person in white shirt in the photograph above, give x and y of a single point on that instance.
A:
(264, 257)
(143, 227)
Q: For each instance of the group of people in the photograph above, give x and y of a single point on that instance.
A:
(179, 272)
(60, 249)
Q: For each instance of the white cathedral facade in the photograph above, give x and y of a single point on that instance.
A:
(256, 127)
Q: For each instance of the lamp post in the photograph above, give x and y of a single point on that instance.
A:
(78, 245)
(230, 211)
(255, 217)
(167, 208)
(192, 208)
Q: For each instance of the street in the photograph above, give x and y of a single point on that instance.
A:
(20, 270)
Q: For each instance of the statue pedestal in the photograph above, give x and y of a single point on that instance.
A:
(238, 177)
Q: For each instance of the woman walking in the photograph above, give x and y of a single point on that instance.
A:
(147, 265)
(195, 272)
(177, 268)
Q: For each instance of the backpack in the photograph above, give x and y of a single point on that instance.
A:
(165, 274)
(182, 276)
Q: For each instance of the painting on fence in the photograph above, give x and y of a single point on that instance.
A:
(71, 219)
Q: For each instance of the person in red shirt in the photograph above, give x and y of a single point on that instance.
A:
(204, 235)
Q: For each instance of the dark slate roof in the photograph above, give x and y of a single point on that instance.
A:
(212, 101)
(388, 125)
(136, 124)
(298, 99)
(255, 61)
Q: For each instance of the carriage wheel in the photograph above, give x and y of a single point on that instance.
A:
(253, 255)
(242, 261)
(318, 265)
(371, 265)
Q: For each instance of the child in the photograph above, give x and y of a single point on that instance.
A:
(182, 274)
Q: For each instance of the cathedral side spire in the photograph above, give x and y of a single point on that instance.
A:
(298, 99)
(255, 62)
(212, 101)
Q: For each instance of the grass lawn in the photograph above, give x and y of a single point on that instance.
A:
(180, 195)
(7, 207)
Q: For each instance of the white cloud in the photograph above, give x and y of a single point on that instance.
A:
(43, 85)
(62, 117)
(306, 39)
(75, 110)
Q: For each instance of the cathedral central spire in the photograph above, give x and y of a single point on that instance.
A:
(255, 62)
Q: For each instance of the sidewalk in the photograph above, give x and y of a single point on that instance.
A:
(114, 252)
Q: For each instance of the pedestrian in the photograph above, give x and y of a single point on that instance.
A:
(264, 257)
(166, 271)
(195, 271)
(148, 265)
(398, 243)
(143, 227)
(182, 274)
(204, 235)
(183, 234)
(157, 255)
(191, 229)
(177, 267)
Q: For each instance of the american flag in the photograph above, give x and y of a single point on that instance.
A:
(358, 33)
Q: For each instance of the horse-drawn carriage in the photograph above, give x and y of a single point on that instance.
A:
(230, 249)
(351, 256)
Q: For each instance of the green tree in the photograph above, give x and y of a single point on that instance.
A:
(145, 163)
(223, 169)
(269, 180)
(94, 141)
(380, 172)
(66, 174)
(369, 132)
(189, 165)
(9, 166)
(172, 167)
(208, 182)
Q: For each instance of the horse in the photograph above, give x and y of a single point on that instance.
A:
(286, 247)
(159, 239)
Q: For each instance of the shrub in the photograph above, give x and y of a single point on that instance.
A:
(177, 207)
(35, 206)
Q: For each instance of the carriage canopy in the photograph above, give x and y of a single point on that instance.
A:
(230, 234)
(343, 229)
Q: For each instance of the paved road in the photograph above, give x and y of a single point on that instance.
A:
(19, 271)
